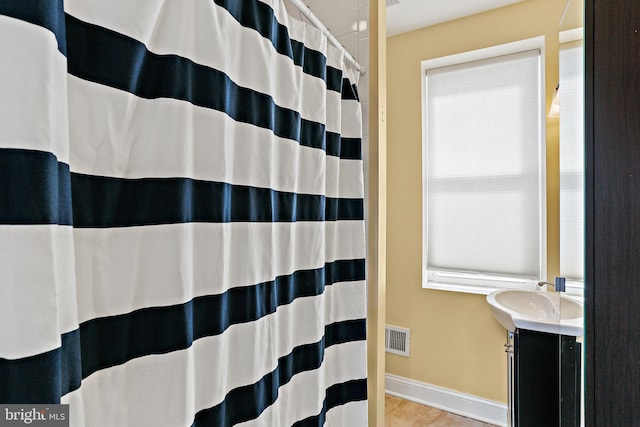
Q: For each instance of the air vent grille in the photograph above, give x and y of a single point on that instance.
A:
(392, 2)
(396, 340)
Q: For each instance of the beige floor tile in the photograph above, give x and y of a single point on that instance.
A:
(403, 413)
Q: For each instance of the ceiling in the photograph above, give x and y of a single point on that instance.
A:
(408, 15)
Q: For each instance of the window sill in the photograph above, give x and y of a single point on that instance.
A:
(574, 292)
(467, 289)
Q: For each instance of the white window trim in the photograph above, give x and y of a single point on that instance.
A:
(480, 283)
(569, 36)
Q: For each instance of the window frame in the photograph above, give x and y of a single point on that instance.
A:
(573, 287)
(477, 283)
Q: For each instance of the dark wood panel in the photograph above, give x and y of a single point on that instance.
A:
(613, 211)
(546, 367)
(589, 252)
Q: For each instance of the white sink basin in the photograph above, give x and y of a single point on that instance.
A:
(551, 312)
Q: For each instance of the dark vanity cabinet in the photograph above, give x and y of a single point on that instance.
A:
(544, 376)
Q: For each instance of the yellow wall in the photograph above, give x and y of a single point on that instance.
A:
(376, 219)
(455, 341)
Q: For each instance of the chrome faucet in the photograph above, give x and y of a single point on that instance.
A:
(558, 286)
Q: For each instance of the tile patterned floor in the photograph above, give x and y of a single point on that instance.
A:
(403, 413)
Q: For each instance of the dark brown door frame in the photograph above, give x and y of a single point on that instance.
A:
(612, 205)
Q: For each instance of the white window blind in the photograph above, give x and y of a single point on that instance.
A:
(572, 161)
(484, 163)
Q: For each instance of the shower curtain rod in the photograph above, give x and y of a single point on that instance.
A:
(316, 21)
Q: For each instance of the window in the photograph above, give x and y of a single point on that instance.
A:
(572, 163)
(483, 169)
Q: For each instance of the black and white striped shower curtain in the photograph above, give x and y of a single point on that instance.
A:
(181, 215)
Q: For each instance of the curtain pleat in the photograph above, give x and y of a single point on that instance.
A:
(182, 236)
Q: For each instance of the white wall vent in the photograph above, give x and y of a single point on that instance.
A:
(392, 2)
(396, 340)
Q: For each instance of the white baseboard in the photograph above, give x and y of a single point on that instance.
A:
(480, 409)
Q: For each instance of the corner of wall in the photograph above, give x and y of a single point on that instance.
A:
(376, 247)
